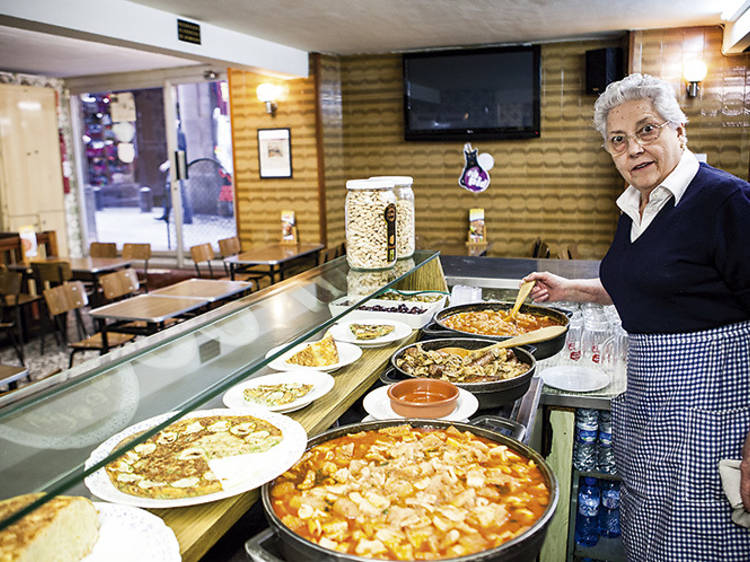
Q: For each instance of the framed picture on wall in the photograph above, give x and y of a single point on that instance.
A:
(275, 153)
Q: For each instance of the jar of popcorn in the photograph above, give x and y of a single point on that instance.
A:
(371, 217)
(405, 244)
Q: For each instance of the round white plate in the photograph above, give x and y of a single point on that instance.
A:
(130, 533)
(342, 333)
(378, 405)
(348, 353)
(574, 378)
(244, 472)
(322, 385)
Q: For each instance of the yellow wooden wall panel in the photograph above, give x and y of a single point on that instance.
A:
(561, 186)
(535, 183)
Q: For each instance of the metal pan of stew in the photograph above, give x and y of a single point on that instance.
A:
(412, 489)
(493, 380)
(490, 320)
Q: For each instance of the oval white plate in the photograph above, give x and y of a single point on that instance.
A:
(130, 533)
(322, 385)
(342, 333)
(244, 471)
(378, 405)
(348, 353)
(575, 378)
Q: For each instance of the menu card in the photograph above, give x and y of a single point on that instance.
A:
(288, 227)
(477, 233)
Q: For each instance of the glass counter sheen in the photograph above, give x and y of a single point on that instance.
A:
(48, 430)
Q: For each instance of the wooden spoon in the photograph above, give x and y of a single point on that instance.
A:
(523, 292)
(541, 334)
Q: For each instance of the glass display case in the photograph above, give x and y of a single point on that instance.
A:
(49, 429)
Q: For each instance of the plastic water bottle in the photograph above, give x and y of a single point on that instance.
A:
(606, 457)
(587, 518)
(609, 518)
(584, 445)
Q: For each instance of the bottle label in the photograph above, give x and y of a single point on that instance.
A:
(586, 435)
(390, 221)
(605, 438)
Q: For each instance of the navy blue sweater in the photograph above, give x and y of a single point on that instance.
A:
(690, 269)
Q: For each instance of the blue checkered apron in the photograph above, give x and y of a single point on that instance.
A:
(687, 406)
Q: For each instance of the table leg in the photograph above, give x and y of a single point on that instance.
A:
(231, 271)
(103, 330)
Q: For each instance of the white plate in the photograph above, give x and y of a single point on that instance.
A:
(378, 405)
(129, 533)
(243, 472)
(348, 353)
(575, 378)
(342, 332)
(322, 385)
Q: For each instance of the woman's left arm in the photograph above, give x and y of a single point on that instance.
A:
(745, 474)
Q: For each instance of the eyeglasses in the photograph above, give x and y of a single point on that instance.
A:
(647, 134)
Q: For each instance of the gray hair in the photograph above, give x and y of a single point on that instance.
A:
(636, 87)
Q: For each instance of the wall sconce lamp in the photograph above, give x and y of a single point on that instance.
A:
(268, 94)
(694, 72)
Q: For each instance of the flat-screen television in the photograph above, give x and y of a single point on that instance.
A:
(470, 94)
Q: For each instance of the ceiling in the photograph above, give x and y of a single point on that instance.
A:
(361, 26)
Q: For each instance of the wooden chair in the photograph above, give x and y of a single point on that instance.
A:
(51, 274)
(139, 252)
(72, 297)
(119, 284)
(10, 313)
(231, 247)
(202, 253)
(103, 250)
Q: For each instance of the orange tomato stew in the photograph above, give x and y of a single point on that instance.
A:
(408, 493)
(498, 322)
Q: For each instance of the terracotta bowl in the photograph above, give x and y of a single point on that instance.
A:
(423, 398)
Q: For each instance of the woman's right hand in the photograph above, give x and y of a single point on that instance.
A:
(548, 287)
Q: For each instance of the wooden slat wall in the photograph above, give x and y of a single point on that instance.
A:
(333, 143)
(718, 119)
(260, 202)
(561, 186)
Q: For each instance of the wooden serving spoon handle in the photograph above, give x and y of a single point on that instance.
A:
(541, 334)
(523, 292)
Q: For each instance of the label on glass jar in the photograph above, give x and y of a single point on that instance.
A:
(390, 221)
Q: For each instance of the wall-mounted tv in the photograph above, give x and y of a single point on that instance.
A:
(472, 94)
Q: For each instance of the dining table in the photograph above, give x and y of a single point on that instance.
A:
(11, 374)
(83, 268)
(211, 290)
(143, 314)
(276, 257)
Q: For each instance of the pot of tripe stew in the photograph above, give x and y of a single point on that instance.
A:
(410, 490)
(491, 320)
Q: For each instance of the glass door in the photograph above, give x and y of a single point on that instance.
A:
(144, 181)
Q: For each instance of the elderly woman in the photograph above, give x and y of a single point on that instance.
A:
(678, 272)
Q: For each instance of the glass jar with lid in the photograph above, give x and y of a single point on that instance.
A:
(371, 236)
(405, 235)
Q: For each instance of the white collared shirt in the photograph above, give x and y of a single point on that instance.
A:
(674, 185)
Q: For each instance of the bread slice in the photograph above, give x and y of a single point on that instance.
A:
(319, 354)
(61, 530)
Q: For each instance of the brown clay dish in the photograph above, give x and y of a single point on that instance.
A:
(423, 398)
